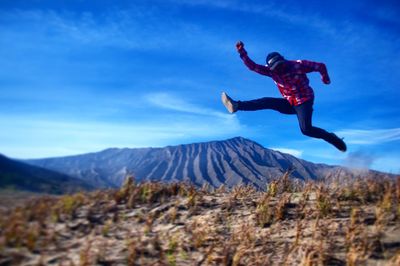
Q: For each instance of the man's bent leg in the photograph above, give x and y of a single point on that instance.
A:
(304, 115)
(277, 104)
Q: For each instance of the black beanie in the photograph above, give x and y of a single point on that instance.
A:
(275, 56)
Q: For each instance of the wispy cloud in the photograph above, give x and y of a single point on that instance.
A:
(294, 152)
(116, 29)
(173, 102)
(349, 31)
(173, 121)
(141, 28)
(194, 114)
(269, 9)
(367, 137)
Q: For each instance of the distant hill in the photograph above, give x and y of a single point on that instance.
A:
(230, 162)
(15, 175)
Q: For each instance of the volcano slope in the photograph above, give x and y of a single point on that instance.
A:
(229, 162)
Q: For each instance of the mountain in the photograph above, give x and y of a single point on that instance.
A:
(21, 176)
(230, 162)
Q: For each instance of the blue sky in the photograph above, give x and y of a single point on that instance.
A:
(81, 76)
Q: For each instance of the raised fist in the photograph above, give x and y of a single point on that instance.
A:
(326, 79)
(239, 45)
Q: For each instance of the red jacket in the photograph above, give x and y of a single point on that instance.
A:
(290, 78)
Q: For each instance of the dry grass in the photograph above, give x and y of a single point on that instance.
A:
(292, 223)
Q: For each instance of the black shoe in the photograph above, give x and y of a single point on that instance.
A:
(338, 143)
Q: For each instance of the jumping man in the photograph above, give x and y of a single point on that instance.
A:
(293, 84)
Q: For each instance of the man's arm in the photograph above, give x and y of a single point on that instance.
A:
(263, 70)
(309, 66)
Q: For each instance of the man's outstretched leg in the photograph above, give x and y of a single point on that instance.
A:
(277, 104)
(304, 115)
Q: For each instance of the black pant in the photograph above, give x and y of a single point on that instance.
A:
(303, 111)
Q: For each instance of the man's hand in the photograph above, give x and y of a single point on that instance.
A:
(239, 46)
(326, 79)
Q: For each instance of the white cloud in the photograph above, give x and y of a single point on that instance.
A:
(367, 137)
(139, 28)
(270, 9)
(294, 152)
(33, 136)
(172, 102)
(349, 31)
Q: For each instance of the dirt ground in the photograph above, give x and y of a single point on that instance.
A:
(176, 224)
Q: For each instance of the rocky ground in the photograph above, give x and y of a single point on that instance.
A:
(292, 223)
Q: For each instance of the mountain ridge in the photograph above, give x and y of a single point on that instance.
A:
(222, 162)
(17, 175)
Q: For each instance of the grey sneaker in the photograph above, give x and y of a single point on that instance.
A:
(230, 104)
